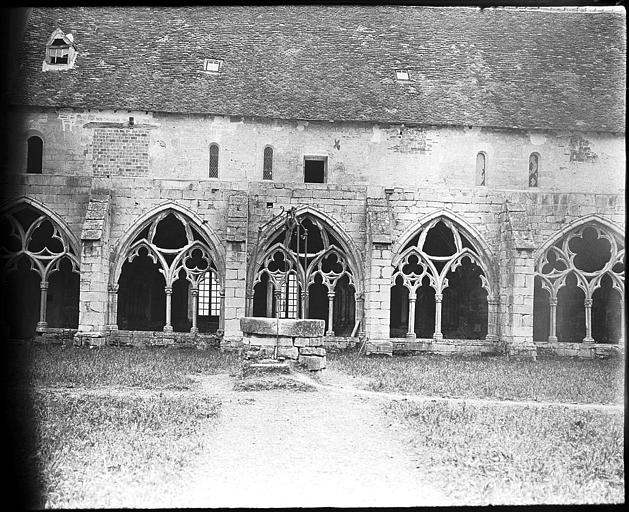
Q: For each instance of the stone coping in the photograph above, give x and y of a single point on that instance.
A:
(303, 328)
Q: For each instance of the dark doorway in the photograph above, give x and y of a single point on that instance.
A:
(141, 296)
(62, 308)
(570, 311)
(606, 313)
(21, 298)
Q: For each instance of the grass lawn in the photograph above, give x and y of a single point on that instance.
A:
(507, 454)
(114, 427)
(557, 379)
(517, 455)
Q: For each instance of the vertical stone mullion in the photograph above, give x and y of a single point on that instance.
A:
(438, 335)
(412, 298)
(169, 291)
(552, 337)
(112, 290)
(42, 325)
(588, 321)
(195, 310)
(331, 295)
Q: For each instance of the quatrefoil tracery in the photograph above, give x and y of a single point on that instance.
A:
(437, 278)
(45, 252)
(559, 261)
(194, 259)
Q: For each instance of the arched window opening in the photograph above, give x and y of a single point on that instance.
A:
(34, 155)
(481, 166)
(439, 287)
(39, 273)
(579, 290)
(533, 170)
(304, 273)
(169, 280)
(213, 173)
(267, 173)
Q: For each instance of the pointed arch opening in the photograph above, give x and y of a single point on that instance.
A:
(168, 277)
(441, 286)
(39, 262)
(306, 268)
(580, 285)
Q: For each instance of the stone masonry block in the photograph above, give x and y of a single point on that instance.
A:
(288, 352)
(311, 351)
(313, 363)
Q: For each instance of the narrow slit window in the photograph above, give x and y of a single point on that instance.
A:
(267, 173)
(213, 161)
(481, 165)
(35, 153)
(533, 170)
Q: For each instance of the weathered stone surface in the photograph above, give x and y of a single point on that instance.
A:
(379, 347)
(258, 325)
(288, 352)
(306, 328)
(260, 367)
(312, 351)
(312, 362)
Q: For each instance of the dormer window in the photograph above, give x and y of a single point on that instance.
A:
(402, 75)
(60, 52)
(212, 65)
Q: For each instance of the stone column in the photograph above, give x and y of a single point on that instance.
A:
(588, 321)
(412, 298)
(305, 296)
(360, 313)
(195, 309)
(169, 291)
(269, 299)
(438, 335)
(552, 337)
(492, 318)
(43, 297)
(330, 331)
(221, 319)
(112, 310)
(278, 303)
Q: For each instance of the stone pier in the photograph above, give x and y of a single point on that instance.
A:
(300, 341)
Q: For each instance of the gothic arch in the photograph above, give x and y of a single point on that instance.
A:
(438, 252)
(579, 276)
(478, 243)
(184, 267)
(321, 280)
(37, 240)
(211, 238)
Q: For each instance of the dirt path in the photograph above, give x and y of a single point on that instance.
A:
(304, 449)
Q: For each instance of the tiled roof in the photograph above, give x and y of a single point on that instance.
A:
(491, 67)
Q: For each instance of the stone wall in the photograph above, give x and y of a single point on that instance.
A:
(382, 181)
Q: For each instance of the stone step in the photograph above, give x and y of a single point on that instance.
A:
(266, 366)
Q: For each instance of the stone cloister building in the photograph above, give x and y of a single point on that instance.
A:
(432, 179)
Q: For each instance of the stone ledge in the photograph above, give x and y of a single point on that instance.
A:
(305, 328)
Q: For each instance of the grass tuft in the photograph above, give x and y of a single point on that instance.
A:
(526, 455)
(559, 379)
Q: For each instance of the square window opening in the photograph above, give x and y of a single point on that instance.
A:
(314, 170)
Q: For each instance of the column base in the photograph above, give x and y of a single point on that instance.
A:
(411, 336)
(330, 334)
(552, 339)
(438, 336)
(41, 326)
(194, 330)
(588, 339)
(168, 329)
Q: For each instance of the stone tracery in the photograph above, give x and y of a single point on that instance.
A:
(431, 259)
(33, 236)
(584, 257)
(304, 257)
(180, 253)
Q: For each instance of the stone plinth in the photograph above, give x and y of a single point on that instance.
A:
(285, 339)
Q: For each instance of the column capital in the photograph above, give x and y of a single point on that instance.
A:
(43, 285)
(438, 297)
(112, 288)
(588, 303)
(168, 290)
(553, 302)
(194, 292)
